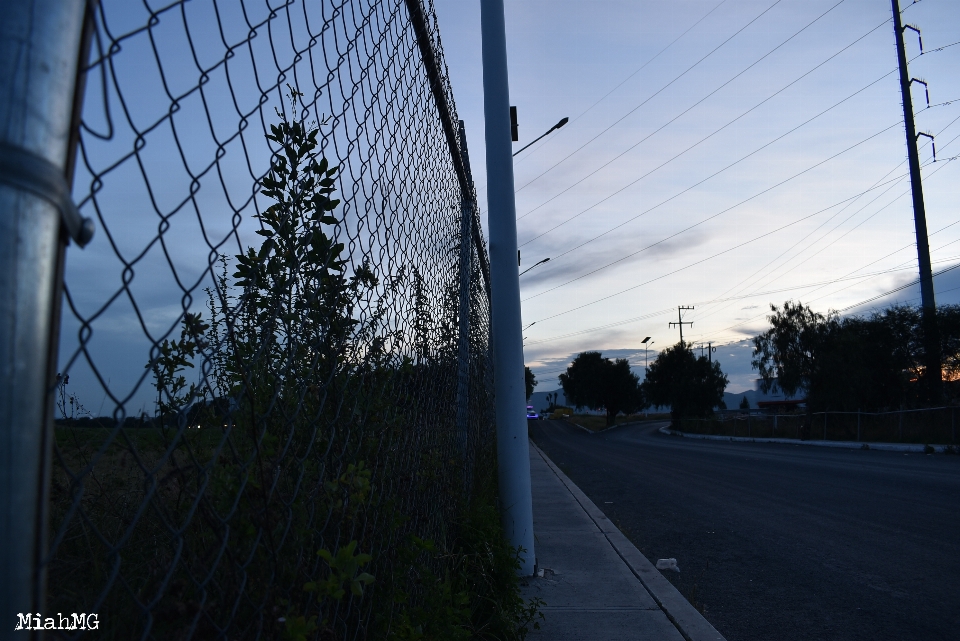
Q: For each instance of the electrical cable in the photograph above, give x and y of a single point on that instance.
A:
(658, 92)
(737, 297)
(680, 193)
(765, 269)
(703, 99)
(695, 185)
(635, 72)
(852, 273)
(709, 218)
(650, 315)
(865, 278)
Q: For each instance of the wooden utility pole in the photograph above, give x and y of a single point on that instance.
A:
(710, 350)
(680, 322)
(933, 376)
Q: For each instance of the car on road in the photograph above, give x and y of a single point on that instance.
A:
(532, 414)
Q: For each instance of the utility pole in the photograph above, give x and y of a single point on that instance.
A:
(680, 322)
(513, 450)
(40, 63)
(710, 350)
(931, 334)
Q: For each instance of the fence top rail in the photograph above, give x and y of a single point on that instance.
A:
(439, 90)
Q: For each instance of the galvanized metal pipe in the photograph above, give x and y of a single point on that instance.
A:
(513, 453)
(39, 45)
(463, 332)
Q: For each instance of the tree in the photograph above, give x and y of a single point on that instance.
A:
(599, 383)
(530, 380)
(744, 403)
(839, 363)
(786, 354)
(691, 386)
(551, 401)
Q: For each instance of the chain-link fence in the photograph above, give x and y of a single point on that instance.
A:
(936, 425)
(275, 399)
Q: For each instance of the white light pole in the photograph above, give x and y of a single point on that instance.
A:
(513, 449)
(645, 346)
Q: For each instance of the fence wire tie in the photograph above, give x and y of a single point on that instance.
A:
(28, 171)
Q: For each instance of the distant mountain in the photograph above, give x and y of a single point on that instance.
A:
(732, 399)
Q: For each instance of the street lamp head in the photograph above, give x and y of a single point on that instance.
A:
(564, 121)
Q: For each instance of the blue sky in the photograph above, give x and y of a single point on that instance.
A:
(721, 155)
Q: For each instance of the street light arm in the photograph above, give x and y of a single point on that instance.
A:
(562, 122)
(532, 266)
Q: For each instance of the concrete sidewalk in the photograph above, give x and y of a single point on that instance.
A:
(596, 584)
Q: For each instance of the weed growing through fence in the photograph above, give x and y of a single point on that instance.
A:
(303, 487)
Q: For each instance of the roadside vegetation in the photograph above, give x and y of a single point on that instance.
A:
(692, 387)
(597, 383)
(296, 481)
(858, 378)
(869, 363)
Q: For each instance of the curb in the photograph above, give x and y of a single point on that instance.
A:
(688, 621)
(851, 445)
(607, 429)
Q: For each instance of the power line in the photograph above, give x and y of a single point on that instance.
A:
(723, 299)
(709, 218)
(700, 182)
(695, 185)
(644, 65)
(892, 185)
(696, 104)
(736, 297)
(768, 282)
(865, 277)
(722, 252)
(641, 68)
(658, 92)
(765, 269)
(692, 187)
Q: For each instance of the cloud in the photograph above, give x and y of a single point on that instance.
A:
(616, 251)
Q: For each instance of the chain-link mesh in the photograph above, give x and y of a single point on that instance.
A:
(269, 409)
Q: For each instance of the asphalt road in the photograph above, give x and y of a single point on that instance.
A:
(783, 542)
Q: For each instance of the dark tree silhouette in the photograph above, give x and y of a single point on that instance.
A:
(599, 383)
(529, 380)
(691, 386)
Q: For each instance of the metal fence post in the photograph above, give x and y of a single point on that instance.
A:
(858, 424)
(40, 42)
(513, 453)
(463, 337)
